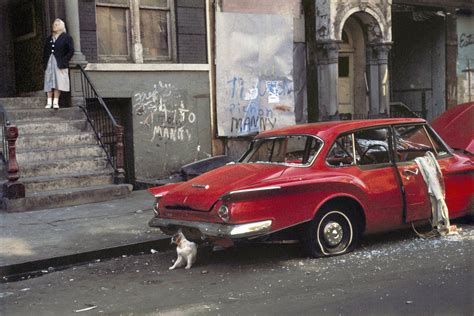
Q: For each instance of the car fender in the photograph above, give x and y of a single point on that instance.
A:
(161, 191)
(338, 196)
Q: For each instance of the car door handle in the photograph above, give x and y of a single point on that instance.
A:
(410, 172)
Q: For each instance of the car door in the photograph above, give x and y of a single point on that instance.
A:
(412, 141)
(374, 162)
(365, 154)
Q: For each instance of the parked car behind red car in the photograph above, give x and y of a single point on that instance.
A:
(331, 182)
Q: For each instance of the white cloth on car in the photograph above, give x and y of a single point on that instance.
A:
(433, 177)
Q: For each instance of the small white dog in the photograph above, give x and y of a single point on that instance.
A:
(187, 251)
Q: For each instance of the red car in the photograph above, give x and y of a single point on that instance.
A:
(329, 182)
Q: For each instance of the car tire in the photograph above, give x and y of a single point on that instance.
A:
(333, 231)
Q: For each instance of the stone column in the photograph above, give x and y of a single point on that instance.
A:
(373, 78)
(72, 20)
(451, 59)
(384, 95)
(379, 79)
(327, 64)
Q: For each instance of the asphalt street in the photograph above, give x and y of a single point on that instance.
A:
(390, 274)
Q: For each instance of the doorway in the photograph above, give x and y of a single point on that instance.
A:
(346, 77)
(352, 87)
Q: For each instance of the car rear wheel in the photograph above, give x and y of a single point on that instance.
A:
(333, 231)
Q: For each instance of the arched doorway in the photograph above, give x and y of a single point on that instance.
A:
(352, 63)
(352, 87)
(345, 80)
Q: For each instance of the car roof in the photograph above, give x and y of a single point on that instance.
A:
(336, 127)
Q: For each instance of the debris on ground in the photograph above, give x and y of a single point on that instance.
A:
(90, 307)
(153, 251)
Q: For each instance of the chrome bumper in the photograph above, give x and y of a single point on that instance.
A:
(216, 230)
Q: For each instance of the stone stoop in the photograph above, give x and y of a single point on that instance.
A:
(60, 162)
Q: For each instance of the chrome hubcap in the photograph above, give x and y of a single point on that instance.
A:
(333, 233)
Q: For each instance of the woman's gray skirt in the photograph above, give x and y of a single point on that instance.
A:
(55, 78)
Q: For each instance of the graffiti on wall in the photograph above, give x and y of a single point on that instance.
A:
(164, 112)
(466, 40)
(247, 104)
(254, 70)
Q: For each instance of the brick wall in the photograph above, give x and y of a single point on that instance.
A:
(88, 29)
(191, 31)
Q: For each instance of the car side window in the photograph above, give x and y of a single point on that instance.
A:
(412, 141)
(341, 153)
(372, 146)
(297, 150)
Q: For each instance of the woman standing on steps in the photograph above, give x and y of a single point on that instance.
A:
(58, 51)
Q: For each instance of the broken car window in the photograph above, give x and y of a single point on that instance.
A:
(372, 146)
(340, 154)
(293, 150)
(412, 141)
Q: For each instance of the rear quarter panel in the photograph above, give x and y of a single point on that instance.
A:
(296, 202)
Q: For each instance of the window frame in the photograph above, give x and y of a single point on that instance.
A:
(134, 40)
(429, 133)
(354, 163)
(306, 165)
(119, 58)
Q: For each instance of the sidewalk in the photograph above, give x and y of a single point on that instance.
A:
(90, 229)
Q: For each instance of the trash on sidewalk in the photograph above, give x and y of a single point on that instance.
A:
(153, 251)
(90, 307)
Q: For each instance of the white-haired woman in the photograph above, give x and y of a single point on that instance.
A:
(58, 51)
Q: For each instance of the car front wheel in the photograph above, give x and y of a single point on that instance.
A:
(332, 232)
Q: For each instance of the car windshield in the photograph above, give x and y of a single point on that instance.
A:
(291, 150)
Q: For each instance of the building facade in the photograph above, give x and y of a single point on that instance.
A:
(189, 79)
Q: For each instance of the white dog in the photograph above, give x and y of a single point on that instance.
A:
(187, 251)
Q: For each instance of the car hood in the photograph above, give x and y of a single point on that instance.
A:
(202, 192)
(456, 126)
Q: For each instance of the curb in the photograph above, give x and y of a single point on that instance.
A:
(27, 270)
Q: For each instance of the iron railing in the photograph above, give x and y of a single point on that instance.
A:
(5, 122)
(108, 132)
(13, 188)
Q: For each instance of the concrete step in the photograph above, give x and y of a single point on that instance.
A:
(47, 127)
(22, 115)
(30, 141)
(67, 197)
(67, 181)
(23, 102)
(64, 166)
(59, 153)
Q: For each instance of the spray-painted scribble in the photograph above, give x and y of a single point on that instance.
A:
(254, 73)
(248, 109)
(164, 112)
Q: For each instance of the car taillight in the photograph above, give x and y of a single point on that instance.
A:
(223, 213)
(155, 206)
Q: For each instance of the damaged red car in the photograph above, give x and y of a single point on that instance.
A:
(328, 183)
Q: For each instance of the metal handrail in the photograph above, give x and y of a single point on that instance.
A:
(108, 132)
(5, 121)
(13, 188)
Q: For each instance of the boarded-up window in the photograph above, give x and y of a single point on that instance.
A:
(113, 31)
(147, 20)
(154, 33)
